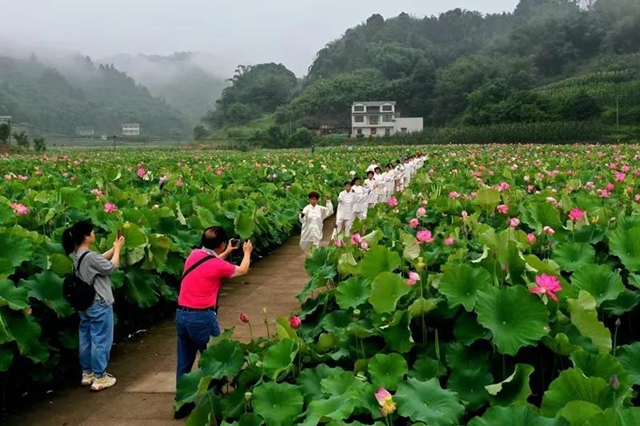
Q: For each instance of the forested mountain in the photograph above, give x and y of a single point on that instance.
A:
(188, 81)
(547, 61)
(83, 95)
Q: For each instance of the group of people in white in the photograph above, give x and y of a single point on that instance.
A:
(357, 198)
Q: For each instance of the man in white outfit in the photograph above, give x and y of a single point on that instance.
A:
(372, 166)
(312, 219)
(362, 199)
(370, 184)
(344, 217)
(380, 186)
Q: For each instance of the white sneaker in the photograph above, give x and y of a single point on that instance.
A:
(87, 379)
(103, 382)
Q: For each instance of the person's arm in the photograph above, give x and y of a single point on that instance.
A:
(328, 211)
(108, 254)
(243, 269)
(302, 217)
(227, 251)
(117, 248)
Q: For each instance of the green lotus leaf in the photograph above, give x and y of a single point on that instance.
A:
(24, 329)
(310, 379)
(279, 357)
(347, 265)
(398, 334)
(60, 264)
(344, 384)
(134, 236)
(600, 281)
(247, 419)
(378, 260)
(560, 344)
(387, 371)
(541, 214)
(467, 329)
(616, 417)
(462, 357)
(515, 317)
(73, 197)
(387, 289)
(6, 357)
(14, 297)
(6, 213)
(21, 251)
(323, 410)
(428, 402)
(573, 385)
(159, 246)
(625, 243)
(571, 256)
(426, 368)
(513, 415)
(578, 412)
(422, 306)
(601, 365)
(233, 403)
(142, 287)
(629, 358)
(352, 293)
(245, 225)
(47, 288)
(514, 389)
(625, 302)
(221, 360)
(411, 246)
(461, 285)
(278, 403)
(470, 386)
(487, 198)
(188, 387)
(584, 317)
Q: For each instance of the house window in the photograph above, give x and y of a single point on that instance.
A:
(373, 119)
(387, 132)
(387, 118)
(373, 109)
(374, 131)
(358, 108)
(387, 108)
(358, 118)
(403, 130)
(358, 131)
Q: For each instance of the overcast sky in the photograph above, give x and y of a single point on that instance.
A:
(240, 31)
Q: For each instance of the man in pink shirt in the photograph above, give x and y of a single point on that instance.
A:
(196, 316)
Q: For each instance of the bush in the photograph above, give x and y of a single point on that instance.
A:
(302, 138)
(39, 144)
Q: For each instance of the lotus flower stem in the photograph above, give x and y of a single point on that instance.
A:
(266, 322)
(615, 338)
(213, 411)
(250, 330)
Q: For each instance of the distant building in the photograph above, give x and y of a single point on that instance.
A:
(85, 131)
(380, 118)
(6, 119)
(131, 129)
(104, 137)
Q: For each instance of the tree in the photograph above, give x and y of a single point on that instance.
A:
(22, 139)
(302, 138)
(5, 133)
(200, 132)
(39, 144)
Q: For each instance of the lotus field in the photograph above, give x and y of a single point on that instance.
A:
(500, 288)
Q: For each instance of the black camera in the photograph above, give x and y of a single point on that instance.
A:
(235, 242)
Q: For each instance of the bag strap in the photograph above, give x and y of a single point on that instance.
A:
(195, 265)
(77, 266)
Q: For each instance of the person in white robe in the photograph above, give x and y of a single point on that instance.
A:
(312, 218)
(389, 181)
(399, 176)
(408, 172)
(344, 216)
(372, 166)
(362, 199)
(380, 187)
(371, 185)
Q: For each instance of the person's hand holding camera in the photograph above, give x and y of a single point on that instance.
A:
(247, 247)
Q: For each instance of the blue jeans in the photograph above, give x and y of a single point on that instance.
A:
(194, 328)
(96, 338)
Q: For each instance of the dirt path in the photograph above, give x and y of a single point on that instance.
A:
(145, 369)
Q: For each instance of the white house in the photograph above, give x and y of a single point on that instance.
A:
(85, 131)
(131, 129)
(380, 118)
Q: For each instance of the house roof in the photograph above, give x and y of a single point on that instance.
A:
(375, 103)
(130, 125)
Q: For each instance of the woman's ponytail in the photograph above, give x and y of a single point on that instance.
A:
(74, 236)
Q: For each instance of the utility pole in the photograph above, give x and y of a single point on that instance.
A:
(114, 142)
(617, 114)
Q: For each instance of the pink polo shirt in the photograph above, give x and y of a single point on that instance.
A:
(200, 288)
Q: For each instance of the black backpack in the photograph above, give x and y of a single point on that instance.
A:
(76, 291)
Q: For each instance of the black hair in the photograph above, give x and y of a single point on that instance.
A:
(314, 194)
(397, 161)
(378, 168)
(348, 183)
(75, 235)
(390, 166)
(355, 179)
(213, 237)
(370, 173)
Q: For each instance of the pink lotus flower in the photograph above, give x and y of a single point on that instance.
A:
(393, 202)
(453, 195)
(356, 238)
(449, 241)
(604, 193)
(464, 215)
(163, 179)
(384, 398)
(503, 209)
(589, 185)
(548, 230)
(547, 284)
(19, 209)
(513, 222)
(414, 223)
(531, 239)
(97, 192)
(219, 172)
(625, 168)
(610, 187)
(421, 212)
(141, 172)
(552, 201)
(295, 322)
(424, 236)
(637, 197)
(8, 177)
(619, 176)
(179, 182)
(504, 186)
(338, 242)
(414, 277)
(576, 215)
(110, 208)
(23, 177)
(364, 245)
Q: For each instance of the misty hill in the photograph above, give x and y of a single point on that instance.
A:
(81, 93)
(188, 81)
(465, 68)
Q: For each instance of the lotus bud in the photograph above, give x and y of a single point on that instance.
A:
(247, 396)
(420, 265)
(618, 322)
(356, 314)
(613, 382)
